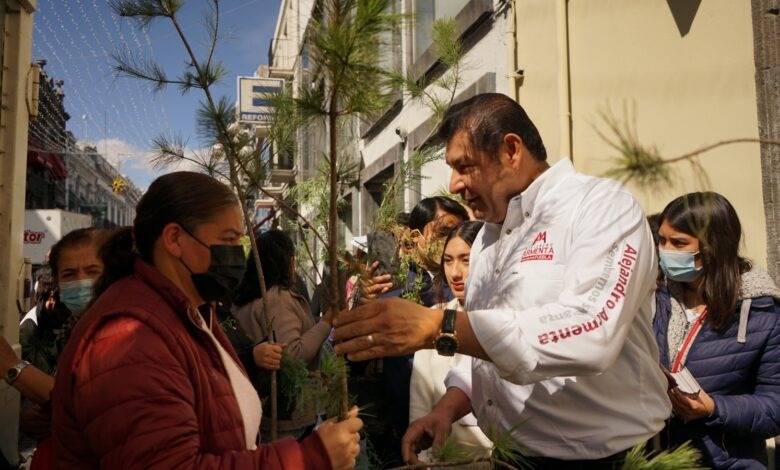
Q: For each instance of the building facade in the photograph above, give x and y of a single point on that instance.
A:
(377, 146)
(63, 175)
(47, 139)
(91, 189)
(407, 125)
(680, 74)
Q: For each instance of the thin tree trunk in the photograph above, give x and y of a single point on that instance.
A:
(766, 48)
(317, 276)
(333, 230)
(269, 326)
(230, 154)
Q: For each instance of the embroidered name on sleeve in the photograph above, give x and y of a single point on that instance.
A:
(626, 268)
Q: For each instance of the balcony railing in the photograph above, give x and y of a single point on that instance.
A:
(282, 172)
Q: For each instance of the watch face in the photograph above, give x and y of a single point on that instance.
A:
(446, 344)
(10, 376)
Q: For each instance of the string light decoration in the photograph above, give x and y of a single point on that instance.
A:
(111, 105)
(77, 41)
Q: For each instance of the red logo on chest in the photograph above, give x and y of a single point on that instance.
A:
(539, 250)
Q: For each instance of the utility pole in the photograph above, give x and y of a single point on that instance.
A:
(766, 47)
(18, 95)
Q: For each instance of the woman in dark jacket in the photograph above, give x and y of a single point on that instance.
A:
(717, 316)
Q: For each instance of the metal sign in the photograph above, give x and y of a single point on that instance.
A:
(253, 105)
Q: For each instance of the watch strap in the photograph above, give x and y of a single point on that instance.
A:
(13, 373)
(448, 322)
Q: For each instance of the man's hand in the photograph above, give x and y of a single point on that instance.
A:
(268, 356)
(387, 327)
(373, 286)
(430, 430)
(691, 407)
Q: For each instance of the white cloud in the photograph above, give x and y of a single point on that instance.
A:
(134, 162)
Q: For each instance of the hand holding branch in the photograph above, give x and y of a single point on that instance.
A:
(387, 327)
(372, 286)
(268, 356)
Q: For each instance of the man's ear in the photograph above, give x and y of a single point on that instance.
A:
(514, 148)
(171, 239)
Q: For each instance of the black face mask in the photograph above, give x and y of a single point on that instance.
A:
(226, 270)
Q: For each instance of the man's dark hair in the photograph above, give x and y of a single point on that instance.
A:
(486, 119)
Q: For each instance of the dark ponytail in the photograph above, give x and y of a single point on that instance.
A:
(118, 256)
(276, 251)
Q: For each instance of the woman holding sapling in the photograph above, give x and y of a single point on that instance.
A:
(148, 378)
(289, 318)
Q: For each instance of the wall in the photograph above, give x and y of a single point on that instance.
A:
(16, 46)
(684, 72)
(484, 70)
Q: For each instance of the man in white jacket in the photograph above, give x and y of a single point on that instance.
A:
(558, 311)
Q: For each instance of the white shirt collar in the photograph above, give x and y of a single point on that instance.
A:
(522, 206)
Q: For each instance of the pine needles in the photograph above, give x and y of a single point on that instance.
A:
(644, 164)
(684, 457)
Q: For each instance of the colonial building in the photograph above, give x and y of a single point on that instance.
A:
(46, 142)
(96, 187)
(63, 175)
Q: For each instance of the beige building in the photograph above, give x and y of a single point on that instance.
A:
(680, 73)
(18, 102)
(684, 70)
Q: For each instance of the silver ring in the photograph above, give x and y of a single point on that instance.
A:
(370, 340)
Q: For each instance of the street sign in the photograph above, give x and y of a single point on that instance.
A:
(253, 105)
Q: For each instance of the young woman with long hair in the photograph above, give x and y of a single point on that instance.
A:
(718, 317)
(429, 368)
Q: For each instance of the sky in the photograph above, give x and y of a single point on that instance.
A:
(119, 115)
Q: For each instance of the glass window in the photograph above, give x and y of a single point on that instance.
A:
(425, 13)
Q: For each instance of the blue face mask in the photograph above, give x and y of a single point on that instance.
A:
(679, 266)
(76, 295)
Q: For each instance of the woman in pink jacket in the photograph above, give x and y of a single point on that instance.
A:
(148, 379)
